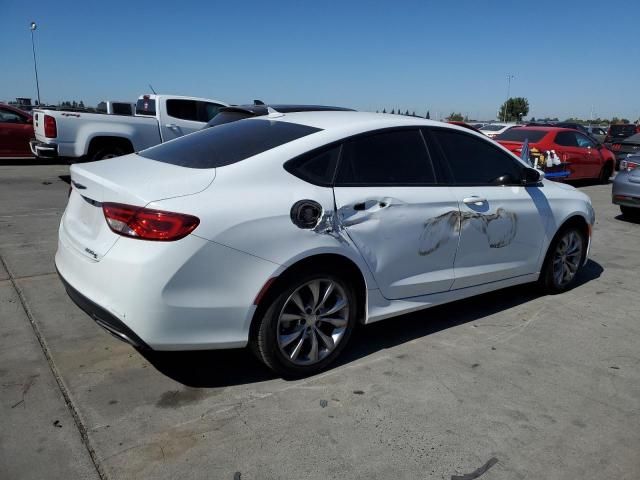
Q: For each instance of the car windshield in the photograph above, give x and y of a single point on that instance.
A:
(521, 134)
(228, 143)
(493, 127)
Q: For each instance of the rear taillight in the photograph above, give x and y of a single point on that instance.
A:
(615, 147)
(628, 165)
(148, 224)
(50, 128)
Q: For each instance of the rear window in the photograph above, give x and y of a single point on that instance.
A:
(520, 135)
(622, 130)
(146, 106)
(492, 128)
(227, 144)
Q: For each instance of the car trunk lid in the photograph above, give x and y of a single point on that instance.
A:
(131, 180)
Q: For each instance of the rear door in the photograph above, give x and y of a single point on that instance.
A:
(183, 116)
(15, 132)
(403, 223)
(592, 159)
(502, 223)
(570, 151)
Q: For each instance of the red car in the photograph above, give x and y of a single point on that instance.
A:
(585, 158)
(16, 129)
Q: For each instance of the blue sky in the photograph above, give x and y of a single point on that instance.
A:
(567, 56)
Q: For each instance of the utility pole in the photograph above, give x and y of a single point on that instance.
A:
(33, 27)
(509, 78)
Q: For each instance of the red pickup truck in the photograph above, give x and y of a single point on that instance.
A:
(16, 129)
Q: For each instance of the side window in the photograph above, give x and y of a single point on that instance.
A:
(183, 109)
(207, 110)
(566, 139)
(584, 141)
(317, 167)
(7, 116)
(475, 161)
(393, 158)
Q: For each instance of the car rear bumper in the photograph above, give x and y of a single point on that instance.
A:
(191, 294)
(43, 150)
(625, 192)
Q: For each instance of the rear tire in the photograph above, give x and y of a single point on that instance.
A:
(605, 173)
(106, 153)
(564, 259)
(306, 325)
(630, 212)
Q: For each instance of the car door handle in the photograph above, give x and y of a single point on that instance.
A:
(172, 126)
(362, 206)
(474, 200)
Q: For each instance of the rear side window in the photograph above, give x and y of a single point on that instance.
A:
(183, 109)
(317, 167)
(121, 108)
(520, 135)
(566, 139)
(475, 161)
(227, 144)
(146, 106)
(393, 158)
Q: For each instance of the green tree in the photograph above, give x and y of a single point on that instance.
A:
(407, 113)
(393, 111)
(384, 110)
(413, 114)
(533, 119)
(514, 109)
(428, 116)
(455, 117)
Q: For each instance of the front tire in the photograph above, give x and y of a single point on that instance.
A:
(307, 325)
(564, 259)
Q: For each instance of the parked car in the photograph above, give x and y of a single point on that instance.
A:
(16, 129)
(625, 147)
(492, 130)
(620, 131)
(111, 107)
(238, 112)
(597, 133)
(626, 187)
(585, 157)
(96, 136)
(283, 232)
(464, 125)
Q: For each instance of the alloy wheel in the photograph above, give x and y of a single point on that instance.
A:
(567, 258)
(313, 321)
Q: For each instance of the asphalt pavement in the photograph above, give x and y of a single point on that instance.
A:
(508, 385)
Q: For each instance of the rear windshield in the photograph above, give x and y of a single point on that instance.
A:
(492, 128)
(622, 130)
(520, 135)
(227, 144)
(146, 106)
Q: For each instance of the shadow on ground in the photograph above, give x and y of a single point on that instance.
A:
(218, 368)
(629, 219)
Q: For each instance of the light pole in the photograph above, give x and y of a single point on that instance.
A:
(32, 27)
(509, 78)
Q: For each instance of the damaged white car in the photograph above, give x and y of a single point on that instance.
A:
(283, 232)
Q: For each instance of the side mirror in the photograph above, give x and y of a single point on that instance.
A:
(531, 176)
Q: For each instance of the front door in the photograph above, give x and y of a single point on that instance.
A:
(403, 225)
(15, 132)
(502, 223)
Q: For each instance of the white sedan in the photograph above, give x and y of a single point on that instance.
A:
(282, 232)
(492, 130)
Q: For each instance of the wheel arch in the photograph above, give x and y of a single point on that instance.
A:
(573, 220)
(333, 262)
(100, 142)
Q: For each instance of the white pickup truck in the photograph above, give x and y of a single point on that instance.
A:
(77, 136)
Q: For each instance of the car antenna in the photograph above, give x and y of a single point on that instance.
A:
(273, 113)
(154, 92)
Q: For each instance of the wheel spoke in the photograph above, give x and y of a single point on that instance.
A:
(325, 296)
(326, 339)
(340, 304)
(295, 298)
(290, 317)
(314, 288)
(313, 353)
(296, 351)
(336, 322)
(286, 340)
